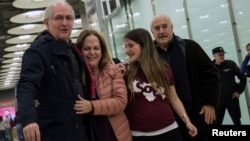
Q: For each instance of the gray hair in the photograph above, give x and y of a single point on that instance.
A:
(49, 9)
(161, 16)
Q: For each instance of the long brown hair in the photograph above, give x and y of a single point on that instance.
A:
(153, 67)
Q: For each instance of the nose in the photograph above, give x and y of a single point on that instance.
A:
(126, 50)
(161, 30)
(92, 51)
(64, 21)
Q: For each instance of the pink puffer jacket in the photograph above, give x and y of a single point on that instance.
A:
(112, 91)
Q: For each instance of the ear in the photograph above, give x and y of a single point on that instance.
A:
(46, 22)
(172, 26)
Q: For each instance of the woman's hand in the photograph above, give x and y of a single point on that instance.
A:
(82, 106)
(192, 130)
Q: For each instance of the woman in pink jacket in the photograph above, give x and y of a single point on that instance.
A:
(110, 97)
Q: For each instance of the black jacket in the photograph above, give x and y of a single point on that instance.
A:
(228, 84)
(47, 75)
(202, 74)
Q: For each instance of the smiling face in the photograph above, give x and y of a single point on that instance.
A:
(91, 50)
(61, 22)
(132, 49)
(162, 30)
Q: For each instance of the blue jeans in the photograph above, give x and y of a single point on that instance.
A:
(20, 132)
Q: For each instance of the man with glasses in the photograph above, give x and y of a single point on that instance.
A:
(54, 74)
(230, 89)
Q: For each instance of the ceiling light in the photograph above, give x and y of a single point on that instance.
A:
(33, 14)
(9, 78)
(6, 84)
(179, 10)
(17, 47)
(21, 45)
(121, 25)
(18, 52)
(223, 22)
(205, 30)
(206, 40)
(24, 37)
(27, 29)
(16, 58)
(11, 72)
(184, 26)
(13, 68)
(135, 14)
(28, 26)
(14, 64)
(204, 17)
(21, 39)
(223, 5)
(28, 17)
(10, 75)
(31, 4)
(38, 0)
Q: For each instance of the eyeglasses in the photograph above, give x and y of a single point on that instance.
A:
(221, 54)
(61, 18)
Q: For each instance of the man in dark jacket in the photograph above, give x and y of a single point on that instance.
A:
(195, 75)
(230, 90)
(54, 73)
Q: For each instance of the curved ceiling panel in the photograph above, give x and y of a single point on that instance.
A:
(28, 17)
(18, 47)
(21, 39)
(31, 4)
(27, 29)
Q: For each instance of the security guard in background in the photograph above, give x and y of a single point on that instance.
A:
(230, 89)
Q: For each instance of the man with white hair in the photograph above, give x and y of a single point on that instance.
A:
(195, 76)
(53, 73)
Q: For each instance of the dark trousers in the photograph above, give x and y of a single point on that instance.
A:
(233, 108)
(173, 135)
(2, 135)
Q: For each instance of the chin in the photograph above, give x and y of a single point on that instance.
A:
(131, 60)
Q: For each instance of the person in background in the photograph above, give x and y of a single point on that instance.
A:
(53, 73)
(195, 76)
(151, 92)
(245, 68)
(19, 128)
(2, 129)
(230, 90)
(8, 129)
(9, 125)
(110, 98)
(7, 112)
